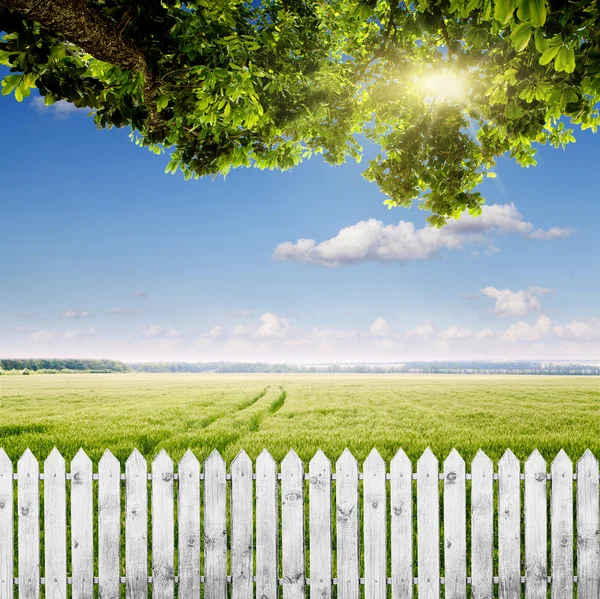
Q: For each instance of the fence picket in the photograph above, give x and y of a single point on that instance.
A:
(292, 526)
(29, 526)
(455, 527)
(215, 528)
(536, 534)
(561, 511)
(320, 526)
(82, 532)
(346, 499)
(482, 527)
(6, 527)
(109, 526)
(241, 527)
(55, 526)
(188, 505)
(509, 526)
(163, 527)
(588, 524)
(428, 526)
(136, 525)
(266, 526)
(401, 524)
(375, 516)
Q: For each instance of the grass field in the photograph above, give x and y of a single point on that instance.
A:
(304, 412)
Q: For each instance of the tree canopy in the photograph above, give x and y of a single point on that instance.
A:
(442, 87)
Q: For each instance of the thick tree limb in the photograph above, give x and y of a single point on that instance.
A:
(89, 30)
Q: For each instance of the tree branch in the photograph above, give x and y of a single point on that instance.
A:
(89, 30)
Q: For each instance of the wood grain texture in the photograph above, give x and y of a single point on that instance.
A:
(292, 526)
(215, 528)
(375, 535)
(346, 503)
(188, 506)
(561, 526)
(82, 527)
(6, 527)
(428, 526)
(267, 516)
(109, 526)
(242, 541)
(136, 526)
(163, 527)
(28, 526)
(319, 478)
(55, 526)
(509, 527)
(455, 527)
(588, 525)
(401, 499)
(482, 527)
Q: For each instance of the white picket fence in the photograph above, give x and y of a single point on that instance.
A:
(212, 554)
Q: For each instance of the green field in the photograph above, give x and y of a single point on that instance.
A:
(304, 412)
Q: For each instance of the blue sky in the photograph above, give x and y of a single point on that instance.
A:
(103, 255)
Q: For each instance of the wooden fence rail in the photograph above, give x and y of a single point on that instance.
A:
(242, 533)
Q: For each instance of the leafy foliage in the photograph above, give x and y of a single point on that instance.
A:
(226, 84)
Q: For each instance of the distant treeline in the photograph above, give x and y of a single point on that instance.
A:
(40, 366)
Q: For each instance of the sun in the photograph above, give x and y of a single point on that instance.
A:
(444, 87)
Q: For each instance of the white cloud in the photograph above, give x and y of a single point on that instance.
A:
(41, 336)
(373, 241)
(379, 328)
(540, 290)
(578, 330)
(121, 310)
(75, 314)
(421, 332)
(60, 110)
(512, 302)
(273, 326)
(455, 333)
(552, 233)
(523, 331)
(79, 334)
(484, 334)
(149, 332)
(174, 334)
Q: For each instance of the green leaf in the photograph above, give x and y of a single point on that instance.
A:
(562, 59)
(503, 10)
(548, 56)
(520, 36)
(570, 60)
(541, 44)
(537, 11)
(162, 102)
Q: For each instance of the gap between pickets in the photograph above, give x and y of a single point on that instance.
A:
(283, 582)
(307, 476)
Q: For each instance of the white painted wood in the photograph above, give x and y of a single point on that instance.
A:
(82, 531)
(188, 505)
(375, 516)
(215, 528)
(242, 541)
(428, 526)
(402, 526)
(6, 527)
(482, 527)
(109, 526)
(561, 510)
(55, 526)
(320, 526)
(29, 526)
(163, 528)
(292, 526)
(455, 527)
(536, 534)
(136, 526)
(346, 500)
(266, 526)
(588, 525)
(509, 526)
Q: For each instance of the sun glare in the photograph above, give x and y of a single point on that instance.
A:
(444, 87)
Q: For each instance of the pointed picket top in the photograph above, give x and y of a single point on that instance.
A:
(189, 461)
(454, 467)
(535, 466)
(135, 459)
(587, 459)
(108, 460)
(291, 459)
(80, 463)
(400, 460)
(162, 463)
(347, 460)
(241, 460)
(508, 459)
(374, 462)
(265, 458)
(319, 461)
(561, 462)
(481, 460)
(27, 459)
(214, 458)
(54, 459)
(427, 459)
(5, 461)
